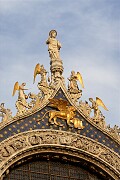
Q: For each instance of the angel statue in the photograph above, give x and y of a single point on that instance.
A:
(39, 69)
(21, 103)
(6, 114)
(73, 88)
(53, 45)
(43, 84)
(98, 116)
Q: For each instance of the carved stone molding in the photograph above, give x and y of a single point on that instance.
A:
(39, 141)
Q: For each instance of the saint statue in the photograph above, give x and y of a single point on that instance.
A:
(53, 45)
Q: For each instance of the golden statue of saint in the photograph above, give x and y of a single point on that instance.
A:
(53, 45)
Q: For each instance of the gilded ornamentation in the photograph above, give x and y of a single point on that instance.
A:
(98, 116)
(39, 69)
(73, 88)
(115, 131)
(14, 148)
(25, 144)
(43, 85)
(65, 112)
(21, 103)
(36, 100)
(5, 114)
(85, 107)
(46, 90)
(39, 101)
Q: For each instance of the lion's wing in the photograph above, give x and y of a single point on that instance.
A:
(60, 104)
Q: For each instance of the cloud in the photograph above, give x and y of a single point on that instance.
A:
(8, 6)
(88, 31)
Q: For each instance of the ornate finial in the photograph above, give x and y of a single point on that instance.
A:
(54, 52)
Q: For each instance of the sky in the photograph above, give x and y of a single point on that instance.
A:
(89, 31)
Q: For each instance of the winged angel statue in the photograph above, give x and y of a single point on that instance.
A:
(98, 116)
(65, 111)
(73, 88)
(39, 69)
(43, 84)
(21, 103)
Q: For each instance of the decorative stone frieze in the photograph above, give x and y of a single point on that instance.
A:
(14, 148)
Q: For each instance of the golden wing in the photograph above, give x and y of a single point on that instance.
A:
(36, 71)
(60, 104)
(79, 77)
(100, 103)
(16, 87)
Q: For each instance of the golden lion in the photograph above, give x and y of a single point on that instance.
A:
(65, 112)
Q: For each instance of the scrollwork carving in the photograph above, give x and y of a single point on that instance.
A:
(115, 131)
(85, 107)
(5, 113)
(20, 143)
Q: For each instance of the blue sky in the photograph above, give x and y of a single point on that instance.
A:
(89, 33)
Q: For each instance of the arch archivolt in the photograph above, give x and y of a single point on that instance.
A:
(28, 143)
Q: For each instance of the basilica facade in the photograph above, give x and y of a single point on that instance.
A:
(53, 135)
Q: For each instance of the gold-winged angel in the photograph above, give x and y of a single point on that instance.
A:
(21, 103)
(20, 89)
(95, 106)
(39, 69)
(73, 86)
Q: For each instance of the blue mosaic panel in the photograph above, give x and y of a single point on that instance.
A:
(30, 123)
